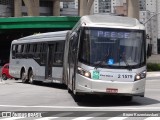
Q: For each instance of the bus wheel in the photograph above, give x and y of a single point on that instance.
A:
(16, 78)
(23, 77)
(30, 77)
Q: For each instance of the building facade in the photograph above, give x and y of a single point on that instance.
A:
(142, 5)
(12, 8)
(110, 7)
(149, 14)
(102, 6)
(6, 8)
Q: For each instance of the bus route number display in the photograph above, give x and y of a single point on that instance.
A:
(108, 34)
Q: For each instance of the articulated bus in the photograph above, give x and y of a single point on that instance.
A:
(106, 55)
(38, 57)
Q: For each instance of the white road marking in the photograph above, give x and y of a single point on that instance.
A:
(117, 118)
(152, 118)
(47, 118)
(12, 118)
(83, 118)
(88, 116)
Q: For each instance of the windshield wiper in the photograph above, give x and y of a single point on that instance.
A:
(104, 58)
(125, 61)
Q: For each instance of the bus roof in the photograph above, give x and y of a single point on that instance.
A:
(45, 35)
(109, 21)
(50, 36)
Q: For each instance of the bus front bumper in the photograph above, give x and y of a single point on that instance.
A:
(87, 85)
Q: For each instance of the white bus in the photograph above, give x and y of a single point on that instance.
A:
(106, 55)
(38, 57)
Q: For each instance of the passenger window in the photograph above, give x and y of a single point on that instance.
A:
(13, 51)
(58, 54)
(34, 48)
(37, 51)
(31, 48)
(22, 48)
(28, 48)
(43, 53)
(16, 48)
(19, 49)
(38, 48)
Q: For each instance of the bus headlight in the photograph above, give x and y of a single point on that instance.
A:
(140, 76)
(83, 72)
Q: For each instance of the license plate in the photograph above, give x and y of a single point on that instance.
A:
(111, 90)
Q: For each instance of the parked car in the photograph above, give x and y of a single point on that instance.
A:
(5, 72)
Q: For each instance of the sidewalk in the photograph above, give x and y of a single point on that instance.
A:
(2, 81)
(153, 74)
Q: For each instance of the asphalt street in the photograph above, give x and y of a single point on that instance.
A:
(17, 96)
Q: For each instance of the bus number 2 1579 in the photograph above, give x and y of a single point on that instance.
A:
(124, 76)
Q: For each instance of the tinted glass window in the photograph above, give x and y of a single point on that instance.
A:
(112, 47)
(58, 54)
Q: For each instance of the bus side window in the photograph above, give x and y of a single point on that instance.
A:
(75, 42)
(73, 47)
(19, 51)
(34, 51)
(27, 50)
(43, 53)
(22, 48)
(24, 51)
(13, 51)
(30, 54)
(58, 54)
(16, 51)
(37, 51)
(34, 48)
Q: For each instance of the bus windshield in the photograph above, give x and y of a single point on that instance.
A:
(112, 48)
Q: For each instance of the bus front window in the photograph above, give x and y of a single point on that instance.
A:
(112, 47)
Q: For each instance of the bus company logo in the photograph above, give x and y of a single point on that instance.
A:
(96, 75)
(102, 75)
(6, 114)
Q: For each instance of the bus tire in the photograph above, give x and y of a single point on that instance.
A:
(30, 77)
(16, 78)
(23, 77)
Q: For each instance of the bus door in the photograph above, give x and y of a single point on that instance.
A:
(73, 58)
(49, 63)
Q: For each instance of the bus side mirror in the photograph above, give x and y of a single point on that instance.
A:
(149, 50)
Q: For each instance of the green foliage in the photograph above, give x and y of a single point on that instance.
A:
(153, 67)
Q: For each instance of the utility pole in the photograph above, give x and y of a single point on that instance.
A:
(133, 8)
